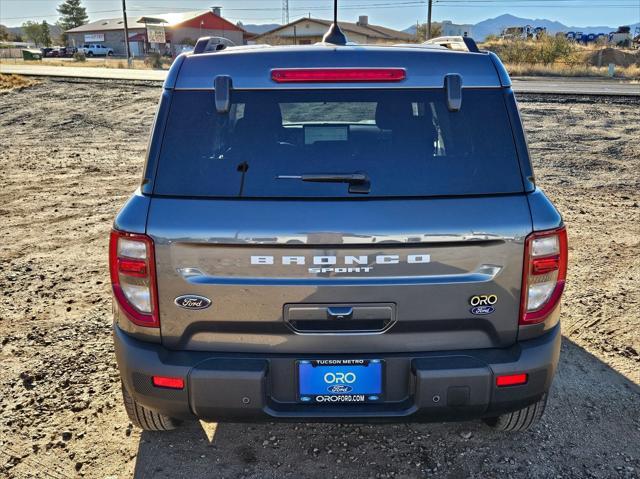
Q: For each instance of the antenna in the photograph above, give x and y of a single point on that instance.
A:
(285, 12)
(334, 35)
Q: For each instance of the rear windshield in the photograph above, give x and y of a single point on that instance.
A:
(337, 143)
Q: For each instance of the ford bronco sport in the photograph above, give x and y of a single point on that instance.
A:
(337, 233)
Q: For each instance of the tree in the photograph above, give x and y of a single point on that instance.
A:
(5, 35)
(72, 14)
(45, 34)
(33, 32)
(421, 33)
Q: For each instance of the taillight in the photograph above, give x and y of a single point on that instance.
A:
(338, 75)
(544, 274)
(133, 277)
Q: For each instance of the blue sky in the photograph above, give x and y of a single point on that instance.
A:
(393, 13)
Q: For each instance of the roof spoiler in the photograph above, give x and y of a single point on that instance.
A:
(212, 44)
(464, 44)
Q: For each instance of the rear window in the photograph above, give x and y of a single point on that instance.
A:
(405, 142)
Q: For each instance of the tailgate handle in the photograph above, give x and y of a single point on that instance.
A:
(339, 312)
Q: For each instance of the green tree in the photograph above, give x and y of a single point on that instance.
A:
(72, 14)
(45, 34)
(33, 32)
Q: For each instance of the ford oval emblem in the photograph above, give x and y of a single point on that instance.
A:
(482, 310)
(339, 389)
(192, 301)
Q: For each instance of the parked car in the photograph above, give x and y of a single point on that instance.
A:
(54, 52)
(337, 232)
(95, 50)
(67, 52)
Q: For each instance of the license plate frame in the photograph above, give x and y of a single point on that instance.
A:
(345, 383)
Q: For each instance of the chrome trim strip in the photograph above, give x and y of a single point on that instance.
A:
(484, 273)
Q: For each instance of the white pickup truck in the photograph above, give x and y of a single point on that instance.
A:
(95, 50)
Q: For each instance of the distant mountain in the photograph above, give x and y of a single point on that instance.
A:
(410, 30)
(258, 29)
(496, 25)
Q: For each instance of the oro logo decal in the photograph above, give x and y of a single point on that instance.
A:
(483, 300)
(192, 301)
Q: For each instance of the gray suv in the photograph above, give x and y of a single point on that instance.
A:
(337, 233)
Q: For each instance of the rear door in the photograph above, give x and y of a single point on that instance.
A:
(428, 258)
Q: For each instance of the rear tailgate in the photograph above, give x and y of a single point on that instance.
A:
(412, 265)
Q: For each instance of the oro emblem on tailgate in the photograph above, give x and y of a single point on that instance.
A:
(192, 301)
(483, 304)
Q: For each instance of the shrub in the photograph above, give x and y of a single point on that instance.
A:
(154, 60)
(546, 50)
(79, 57)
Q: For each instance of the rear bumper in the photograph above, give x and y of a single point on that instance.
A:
(432, 386)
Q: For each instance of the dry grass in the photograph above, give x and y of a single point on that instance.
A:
(15, 82)
(564, 70)
(138, 64)
(556, 56)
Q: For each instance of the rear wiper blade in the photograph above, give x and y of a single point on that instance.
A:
(358, 182)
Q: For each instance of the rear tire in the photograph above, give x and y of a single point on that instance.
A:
(145, 418)
(519, 420)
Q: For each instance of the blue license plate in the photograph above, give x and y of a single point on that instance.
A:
(340, 381)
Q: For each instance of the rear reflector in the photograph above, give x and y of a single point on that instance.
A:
(166, 382)
(511, 380)
(337, 75)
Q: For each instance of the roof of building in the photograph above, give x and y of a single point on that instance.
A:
(165, 19)
(375, 31)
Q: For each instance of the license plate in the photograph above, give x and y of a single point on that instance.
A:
(340, 381)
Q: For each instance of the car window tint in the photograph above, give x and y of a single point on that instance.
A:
(406, 141)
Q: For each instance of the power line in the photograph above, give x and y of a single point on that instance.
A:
(513, 4)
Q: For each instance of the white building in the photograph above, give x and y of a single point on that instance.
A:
(450, 29)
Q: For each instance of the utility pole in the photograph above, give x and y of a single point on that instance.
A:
(285, 12)
(126, 32)
(428, 19)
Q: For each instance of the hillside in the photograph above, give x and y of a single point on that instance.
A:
(259, 29)
(496, 25)
(54, 30)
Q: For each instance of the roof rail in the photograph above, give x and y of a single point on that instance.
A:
(212, 44)
(465, 44)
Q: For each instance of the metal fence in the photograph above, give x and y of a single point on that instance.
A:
(10, 52)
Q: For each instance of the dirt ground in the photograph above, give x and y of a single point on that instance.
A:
(70, 154)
